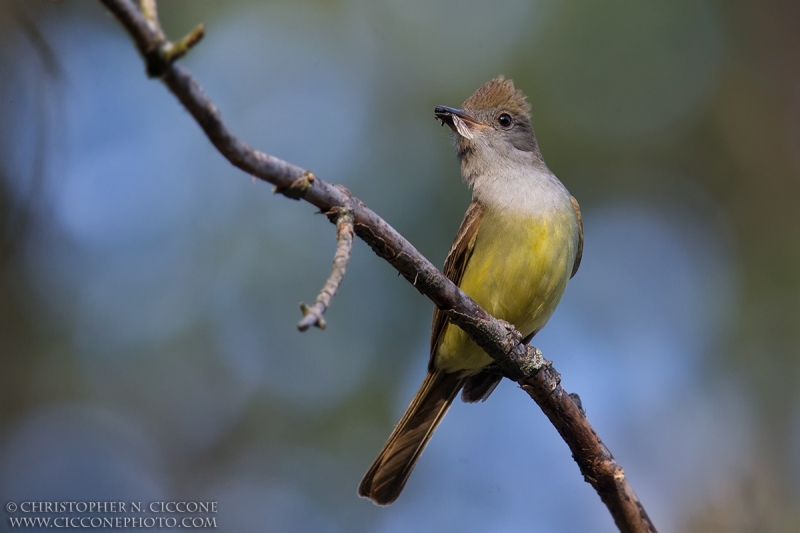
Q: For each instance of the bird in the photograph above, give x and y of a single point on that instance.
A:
(520, 242)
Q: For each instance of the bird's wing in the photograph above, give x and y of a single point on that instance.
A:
(579, 255)
(456, 264)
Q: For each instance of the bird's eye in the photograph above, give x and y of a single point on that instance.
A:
(505, 120)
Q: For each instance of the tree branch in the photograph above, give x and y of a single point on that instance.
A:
(312, 316)
(501, 341)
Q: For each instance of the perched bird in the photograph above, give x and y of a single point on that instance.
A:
(521, 240)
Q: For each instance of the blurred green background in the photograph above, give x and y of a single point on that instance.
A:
(149, 291)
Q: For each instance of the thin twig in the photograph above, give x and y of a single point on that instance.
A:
(145, 28)
(312, 316)
(517, 360)
(150, 12)
(178, 49)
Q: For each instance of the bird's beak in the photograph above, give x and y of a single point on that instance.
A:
(459, 121)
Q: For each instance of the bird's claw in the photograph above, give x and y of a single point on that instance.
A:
(511, 329)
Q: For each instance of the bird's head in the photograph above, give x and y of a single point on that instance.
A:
(493, 126)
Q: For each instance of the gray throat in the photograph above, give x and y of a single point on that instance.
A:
(517, 181)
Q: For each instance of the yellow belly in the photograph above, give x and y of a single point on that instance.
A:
(518, 271)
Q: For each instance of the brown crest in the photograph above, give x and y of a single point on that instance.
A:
(497, 93)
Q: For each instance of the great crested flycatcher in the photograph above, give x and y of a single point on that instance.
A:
(520, 241)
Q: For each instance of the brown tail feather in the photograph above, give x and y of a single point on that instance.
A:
(387, 476)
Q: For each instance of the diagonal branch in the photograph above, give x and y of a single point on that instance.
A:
(502, 342)
(312, 316)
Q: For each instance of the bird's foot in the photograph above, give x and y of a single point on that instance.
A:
(511, 329)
